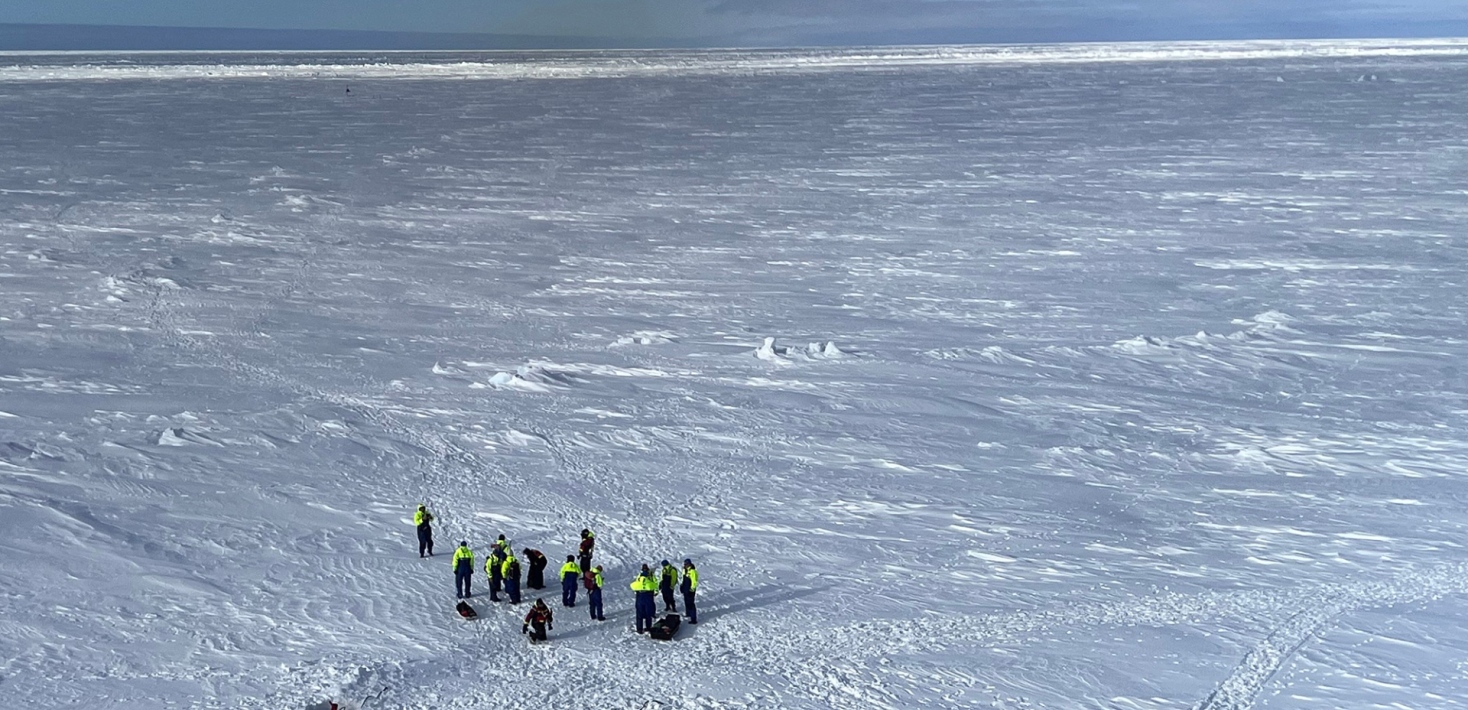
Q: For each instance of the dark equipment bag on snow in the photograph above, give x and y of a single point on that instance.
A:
(666, 628)
(466, 611)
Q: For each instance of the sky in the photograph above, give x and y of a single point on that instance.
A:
(781, 21)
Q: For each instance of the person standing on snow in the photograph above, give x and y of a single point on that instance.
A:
(689, 589)
(424, 520)
(588, 544)
(646, 588)
(511, 572)
(463, 570)
(539, 617)
(535, 578)
(570, 575)
(494, 566)
(666, 583)
(503, 544)
(593, 581)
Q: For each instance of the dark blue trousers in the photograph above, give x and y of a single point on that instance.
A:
(689, 609)
(568, 590)
(594, 598)
(647, 608)
(512, 588)
(425, 540)
(462, 579)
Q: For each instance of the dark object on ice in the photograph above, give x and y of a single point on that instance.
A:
(666, 628)
(466, 611)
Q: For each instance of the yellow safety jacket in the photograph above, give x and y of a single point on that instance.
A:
(422, 516)
(570, 568)
(463, 553)
(644, 583)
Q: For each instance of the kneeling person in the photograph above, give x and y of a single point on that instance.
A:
(540, 619)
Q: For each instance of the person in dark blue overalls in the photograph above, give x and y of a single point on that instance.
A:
(463, 570)
(594, 582)
(689, 587)
(494, 568)
(570, 577)
(511, 574)
(646, 587)
(424, 521)
(667, 581)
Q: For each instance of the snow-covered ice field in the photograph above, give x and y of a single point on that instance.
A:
(1102, 377)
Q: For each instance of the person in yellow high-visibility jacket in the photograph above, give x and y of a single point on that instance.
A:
(424, 521)
(594, 581)
(463, 570)
(494, 567)
(667, 581)
(510, 571)
(570, 577)
(646, 588)
(689, 587)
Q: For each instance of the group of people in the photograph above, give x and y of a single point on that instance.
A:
(504, 571)
(667, 579)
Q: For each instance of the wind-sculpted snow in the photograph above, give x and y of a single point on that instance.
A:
(1078, 377)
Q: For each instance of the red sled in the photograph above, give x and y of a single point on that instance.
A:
(466, 611)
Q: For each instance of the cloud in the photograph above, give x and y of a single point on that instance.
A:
(1035, 20)
(873, 16)
(671, 19)
(774, 22)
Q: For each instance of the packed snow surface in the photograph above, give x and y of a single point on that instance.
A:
(974, 380)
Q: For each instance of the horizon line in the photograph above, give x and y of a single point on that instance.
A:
(1384, 39)
(562, 43)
